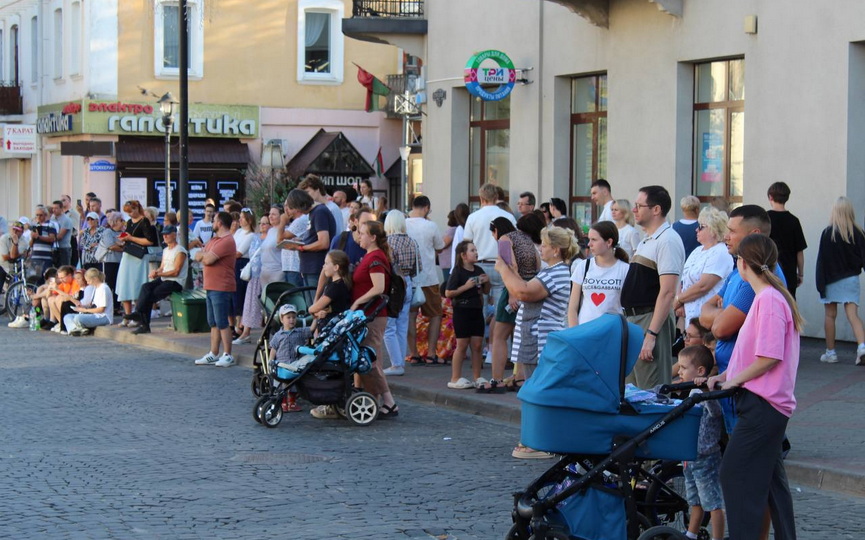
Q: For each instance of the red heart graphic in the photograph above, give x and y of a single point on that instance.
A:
(597, 298)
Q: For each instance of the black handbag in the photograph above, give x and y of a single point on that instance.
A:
(135, 250)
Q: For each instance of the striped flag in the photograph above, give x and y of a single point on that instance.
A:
(374, 88)
(379, 164)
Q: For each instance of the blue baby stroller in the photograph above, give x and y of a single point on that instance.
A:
(609, 484)
(324, 372)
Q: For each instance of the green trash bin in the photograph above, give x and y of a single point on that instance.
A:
(189, 311)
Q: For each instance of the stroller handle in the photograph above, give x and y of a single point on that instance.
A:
(717, 393)
(376, 304)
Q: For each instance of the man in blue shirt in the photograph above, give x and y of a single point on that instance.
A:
(725, 312)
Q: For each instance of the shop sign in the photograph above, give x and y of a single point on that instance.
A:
(132, 118)
(490, 75)
(19, 138)
(197, 197)
(227, 191)
(341, 179)
(103, 165)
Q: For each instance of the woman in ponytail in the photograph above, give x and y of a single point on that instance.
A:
(764, 364)
(596, 284)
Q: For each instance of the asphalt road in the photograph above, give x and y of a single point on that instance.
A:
(101, 440)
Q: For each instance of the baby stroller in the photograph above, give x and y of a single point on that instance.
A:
(273, 296)
(609, 484)
(324, 373)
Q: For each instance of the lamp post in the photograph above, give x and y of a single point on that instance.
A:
(166, 106)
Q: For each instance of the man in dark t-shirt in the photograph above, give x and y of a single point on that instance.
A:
(316, 241)
(788, 236)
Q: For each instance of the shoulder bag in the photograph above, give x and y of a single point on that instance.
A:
(136, 250)
(418, 298)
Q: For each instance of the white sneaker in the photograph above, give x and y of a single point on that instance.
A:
(324, 411)
(19, 322)
(242, 340)
(830, 357)
(860, 355)
(226, 360)
(56, 328)
(394, 370)
(208, 359)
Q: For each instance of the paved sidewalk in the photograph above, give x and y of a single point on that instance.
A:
(827, 431)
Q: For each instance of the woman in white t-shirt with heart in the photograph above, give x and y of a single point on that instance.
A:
(598, 281)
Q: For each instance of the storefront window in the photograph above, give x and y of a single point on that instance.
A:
(588, 143)
(719, 134)
(490, 143)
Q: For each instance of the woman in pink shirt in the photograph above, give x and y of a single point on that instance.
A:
(764, 365)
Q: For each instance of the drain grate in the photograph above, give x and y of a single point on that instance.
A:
(280, 458)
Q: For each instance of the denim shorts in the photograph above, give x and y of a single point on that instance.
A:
(220, 305)
(703, 482)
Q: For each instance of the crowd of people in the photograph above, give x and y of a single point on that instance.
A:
(491, 287)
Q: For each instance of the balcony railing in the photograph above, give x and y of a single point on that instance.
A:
(388, 8)
(10, 99)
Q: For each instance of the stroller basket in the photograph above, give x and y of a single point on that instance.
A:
(575, 401)
(323, 387)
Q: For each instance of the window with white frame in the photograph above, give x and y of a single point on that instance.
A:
(58, 43)
(166, 39)
(75, 39)
(320, 43)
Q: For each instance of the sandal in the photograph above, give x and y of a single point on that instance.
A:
(434, 361)
(388, 412)
(494, 387)
(415, 360)
(513, 385)
(524, 452)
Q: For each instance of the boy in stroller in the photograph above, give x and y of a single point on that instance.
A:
(702, 476)
(283, 348)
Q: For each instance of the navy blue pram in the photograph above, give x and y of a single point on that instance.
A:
(324, 372)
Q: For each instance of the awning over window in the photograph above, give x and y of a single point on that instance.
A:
(329, 154)
(201, 151)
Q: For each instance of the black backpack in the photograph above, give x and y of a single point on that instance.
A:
(397, 292)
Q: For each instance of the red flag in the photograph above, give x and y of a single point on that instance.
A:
(374, 87)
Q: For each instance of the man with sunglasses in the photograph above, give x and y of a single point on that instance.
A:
(650, 287)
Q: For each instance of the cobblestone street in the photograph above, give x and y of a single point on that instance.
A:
(102, 440)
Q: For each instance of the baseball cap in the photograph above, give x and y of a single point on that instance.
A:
(17, 225)
(25, 220)
(287, 308)
(169, 229)
(92, 215)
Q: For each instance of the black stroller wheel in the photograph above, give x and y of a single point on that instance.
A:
(270, 412)
(361, 408)
(662, 532)
(256, 409)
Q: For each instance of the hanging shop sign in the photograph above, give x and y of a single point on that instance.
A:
(19, 138)
(134, 118)
(490, 75)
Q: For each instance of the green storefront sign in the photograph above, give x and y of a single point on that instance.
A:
(135, 118)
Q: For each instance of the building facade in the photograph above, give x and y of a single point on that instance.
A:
(717, 98)
(263, 76)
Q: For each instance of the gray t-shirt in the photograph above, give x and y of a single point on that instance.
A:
(6, 249)
(63, 222)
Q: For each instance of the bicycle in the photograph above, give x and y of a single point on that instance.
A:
(16, 300)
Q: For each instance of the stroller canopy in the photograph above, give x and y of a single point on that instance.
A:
(580, 366)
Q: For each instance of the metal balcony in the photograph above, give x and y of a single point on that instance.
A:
(388, 8)
(10, 99)
(395, 22)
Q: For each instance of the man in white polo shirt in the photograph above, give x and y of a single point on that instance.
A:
(650, 287)
(477, 230)
(430, 242)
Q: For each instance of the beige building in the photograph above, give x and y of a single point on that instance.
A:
(263, 75)
(710, 97)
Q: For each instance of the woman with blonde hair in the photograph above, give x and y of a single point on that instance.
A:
(629, 236)
(405, 255)
(687, 226)
(840, 260)
(544, 306)
(706, 267)
(99, 313)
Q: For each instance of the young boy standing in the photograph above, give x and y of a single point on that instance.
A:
(702, 476)
(284, 344)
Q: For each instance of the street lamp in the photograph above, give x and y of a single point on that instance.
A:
(166, 107)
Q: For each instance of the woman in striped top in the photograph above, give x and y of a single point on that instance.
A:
(544, 306)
